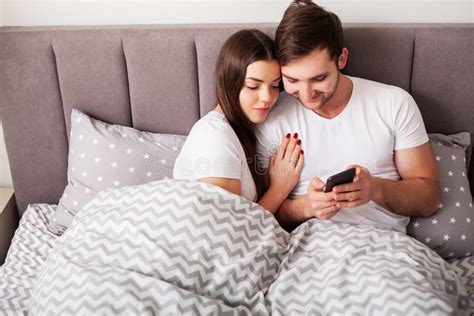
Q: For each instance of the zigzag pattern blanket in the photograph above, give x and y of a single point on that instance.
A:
(175, 247)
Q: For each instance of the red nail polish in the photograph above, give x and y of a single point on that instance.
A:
(295, 136)
(302, 152)
(288, 135)
(298, 142)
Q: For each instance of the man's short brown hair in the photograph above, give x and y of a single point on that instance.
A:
(306, 26)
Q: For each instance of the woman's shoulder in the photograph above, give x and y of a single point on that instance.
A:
(212, 123)
(213, 129)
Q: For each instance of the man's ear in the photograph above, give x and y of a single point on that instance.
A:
(341, 63)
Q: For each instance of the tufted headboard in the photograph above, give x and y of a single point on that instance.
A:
(160, 79)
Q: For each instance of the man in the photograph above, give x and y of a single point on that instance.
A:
(346, 122)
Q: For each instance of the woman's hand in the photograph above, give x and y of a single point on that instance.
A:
(285, 167)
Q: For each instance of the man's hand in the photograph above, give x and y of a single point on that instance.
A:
(317, 203)
(357, 193)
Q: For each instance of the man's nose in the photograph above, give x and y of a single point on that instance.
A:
(306, 92)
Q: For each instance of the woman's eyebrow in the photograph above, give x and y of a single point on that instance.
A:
(255, 79)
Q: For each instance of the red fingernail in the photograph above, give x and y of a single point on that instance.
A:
(288, 135)
(302, 152)
(298, 142)
(295, 136)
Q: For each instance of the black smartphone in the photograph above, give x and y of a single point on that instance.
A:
(346, 176)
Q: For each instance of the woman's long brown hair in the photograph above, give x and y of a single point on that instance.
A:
(239, 51)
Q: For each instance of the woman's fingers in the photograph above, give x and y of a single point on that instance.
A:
(272, 161)
(284, 143)
(300, 164)
(291, 147)
(296, 153)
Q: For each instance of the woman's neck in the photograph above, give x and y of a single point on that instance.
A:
(218, 109)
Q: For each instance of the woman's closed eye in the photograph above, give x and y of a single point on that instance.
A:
(255, 88)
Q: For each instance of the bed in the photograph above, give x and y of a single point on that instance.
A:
(144, 244)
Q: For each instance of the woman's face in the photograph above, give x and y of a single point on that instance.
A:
(260, 90)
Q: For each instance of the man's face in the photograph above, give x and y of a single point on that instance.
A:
(313, 79)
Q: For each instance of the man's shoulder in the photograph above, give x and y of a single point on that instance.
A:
(284, 97)
(284, 112)
(285, 105)
(373, 88)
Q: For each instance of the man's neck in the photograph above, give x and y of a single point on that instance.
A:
(339, 100)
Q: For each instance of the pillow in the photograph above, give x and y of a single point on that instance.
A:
(450, 231)
(104, 156)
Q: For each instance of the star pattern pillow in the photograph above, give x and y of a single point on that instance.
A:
(450, 231)
(104, 156)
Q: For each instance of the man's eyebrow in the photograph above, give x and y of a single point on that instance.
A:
(260, 80)
(312, 78)
(320, 75)
(288, 77)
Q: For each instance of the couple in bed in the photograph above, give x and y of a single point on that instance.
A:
(252, 143)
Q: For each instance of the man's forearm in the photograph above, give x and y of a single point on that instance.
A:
(410, 197)
(291, 213)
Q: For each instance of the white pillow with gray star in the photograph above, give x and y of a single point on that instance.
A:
(103, 156)
(450, 231)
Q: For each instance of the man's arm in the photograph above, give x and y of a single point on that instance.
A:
(416, 194)
(291, 213)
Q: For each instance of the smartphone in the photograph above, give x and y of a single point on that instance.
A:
(346, 176)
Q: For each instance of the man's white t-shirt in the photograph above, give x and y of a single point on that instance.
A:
(377, 120)
(212, 149)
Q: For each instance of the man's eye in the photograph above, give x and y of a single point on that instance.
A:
(320, 79)
(291, 80)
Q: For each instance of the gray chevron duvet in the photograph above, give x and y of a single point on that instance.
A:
(175, 247)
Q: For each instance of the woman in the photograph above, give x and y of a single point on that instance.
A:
(221, 147)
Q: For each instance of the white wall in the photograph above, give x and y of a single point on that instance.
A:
(103, 12)
(1, 12)
(107, 12)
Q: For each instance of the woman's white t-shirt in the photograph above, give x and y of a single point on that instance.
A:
(212, 149)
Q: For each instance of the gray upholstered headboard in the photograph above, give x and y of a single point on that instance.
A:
(160, 79)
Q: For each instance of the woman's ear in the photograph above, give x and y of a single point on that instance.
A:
(341, 63)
